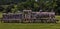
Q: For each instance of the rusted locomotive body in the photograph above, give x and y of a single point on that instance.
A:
(44, 17)
(28, 16)
(12, 17)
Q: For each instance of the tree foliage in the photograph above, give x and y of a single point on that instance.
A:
(45, 5)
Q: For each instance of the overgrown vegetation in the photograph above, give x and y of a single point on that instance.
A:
(19, 5)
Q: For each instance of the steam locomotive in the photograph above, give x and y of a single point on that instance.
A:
(28, 16)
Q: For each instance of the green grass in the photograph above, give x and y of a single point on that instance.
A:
(31, 25)
(0, 15)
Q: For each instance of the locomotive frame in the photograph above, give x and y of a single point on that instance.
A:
(28, 16)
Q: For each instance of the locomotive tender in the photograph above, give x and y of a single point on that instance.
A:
(28, 16)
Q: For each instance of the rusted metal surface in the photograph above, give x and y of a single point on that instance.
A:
(30, 16)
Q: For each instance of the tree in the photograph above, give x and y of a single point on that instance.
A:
(49, 5)
(58, 7)
(26, 5)
(1, 9)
